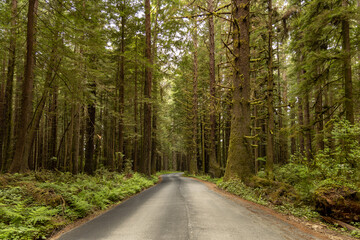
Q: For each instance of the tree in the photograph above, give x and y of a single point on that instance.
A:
(6, 107)
(20, 164)
(146, 161)
(270, 101)
(214, 165)
(240, 162)
(193, 168)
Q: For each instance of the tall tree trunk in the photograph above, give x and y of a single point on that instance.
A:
(154, 145)
(136, 160)
(146, 158)
(214, 167)
(282, 96)
(203, 144)
(3, 79)
(270, 100)
(6, 106)
(292, 138)
(319, 119)
(240, 162)
(20, 164)
(308, 128)
(53, 128)
(349, 104)
(76, 140)
(193, 158)
(82, 139)
(90, 132)
(121, 80)
(69, 140)
(36, 118)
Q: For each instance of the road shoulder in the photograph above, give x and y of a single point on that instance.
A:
(315, 229)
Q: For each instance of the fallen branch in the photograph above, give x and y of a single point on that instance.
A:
(340, 223)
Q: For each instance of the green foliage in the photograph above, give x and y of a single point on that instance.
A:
(239, 188)
(297, 175)
(338, 166)
(207, 178)
(27, 209)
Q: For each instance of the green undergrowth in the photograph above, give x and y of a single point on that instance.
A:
(37, 204)
(165, 172)
(203, 177)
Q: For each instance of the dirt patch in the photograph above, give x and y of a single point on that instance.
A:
(318, 229)
(44, 196)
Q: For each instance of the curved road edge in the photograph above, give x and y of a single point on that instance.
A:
(82, 221)
(318, 230)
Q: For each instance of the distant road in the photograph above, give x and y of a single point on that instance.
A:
(183, 208)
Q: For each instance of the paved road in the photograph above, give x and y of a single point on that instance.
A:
(183, 208)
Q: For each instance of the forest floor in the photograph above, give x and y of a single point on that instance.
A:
(311, 223)
(37, 205)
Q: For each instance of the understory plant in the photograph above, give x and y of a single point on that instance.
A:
(36, 204)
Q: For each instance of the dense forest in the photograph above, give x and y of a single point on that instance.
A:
(211, 87)
(232, 89)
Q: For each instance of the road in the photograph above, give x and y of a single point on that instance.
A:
(184, 209)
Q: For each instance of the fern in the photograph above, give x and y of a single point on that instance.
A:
(25, 215)
(40, 215)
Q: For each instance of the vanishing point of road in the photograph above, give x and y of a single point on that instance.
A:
(184, 209)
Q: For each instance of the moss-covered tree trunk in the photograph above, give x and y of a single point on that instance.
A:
(240, 163)
(270, 99)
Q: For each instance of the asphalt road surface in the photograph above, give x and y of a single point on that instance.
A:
(183, 208)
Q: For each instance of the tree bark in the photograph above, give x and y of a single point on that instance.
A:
(319, 119)
(193, 158)
(270, 100)
(36, 118)
(146, 164)
(20, 164)
(282, 97)
(308, 128)
(6, 109)
(76, 140)
(90, 132)
(292, 124)
(240, 162)
(51, 164)
(121, 79)
(155, 83)
(136, 160)
(214, 167)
